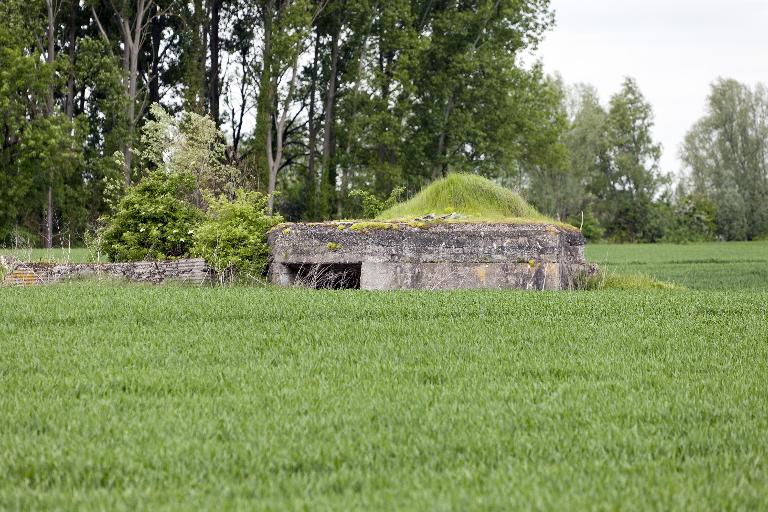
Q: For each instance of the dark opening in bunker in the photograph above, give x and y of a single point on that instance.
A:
(332, 276)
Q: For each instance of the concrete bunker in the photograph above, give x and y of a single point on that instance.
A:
(427, 255)
(488, 237)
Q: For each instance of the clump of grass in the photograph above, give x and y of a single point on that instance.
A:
(610, 281)
(469, 195)
(333, 246)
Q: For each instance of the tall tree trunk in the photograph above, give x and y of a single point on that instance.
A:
(213, 79)
(133, 71)
(330, 101)
(276, 160)
(384, 154)
(441, 164)
(51, 57)
(70, 101)
(310, 183)
(126, 143)
(156, 34)
(237, 121)
(328, 136)
(203, 93)
(132, 32)
(345, 176)
(264, 105)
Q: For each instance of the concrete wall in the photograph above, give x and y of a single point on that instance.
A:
(439, 256)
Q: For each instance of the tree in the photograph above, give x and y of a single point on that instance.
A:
(726, 155)
(293, 20)
(41, 145)
(586, 142)
(630, 175)
(347, 94)
(471, 95)
(189, 144)
(134, 20)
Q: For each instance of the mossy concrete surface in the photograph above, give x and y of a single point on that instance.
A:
(412, 255)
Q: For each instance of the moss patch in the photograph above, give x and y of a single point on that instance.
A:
(366, 226)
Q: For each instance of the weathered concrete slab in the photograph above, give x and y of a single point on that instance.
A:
(430, 256)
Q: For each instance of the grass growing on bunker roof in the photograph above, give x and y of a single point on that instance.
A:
(470, 195)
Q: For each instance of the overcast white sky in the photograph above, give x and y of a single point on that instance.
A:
(674, 48)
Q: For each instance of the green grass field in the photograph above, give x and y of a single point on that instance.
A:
(705, 266)
(116, 397)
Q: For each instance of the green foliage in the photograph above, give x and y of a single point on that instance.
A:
(372, 206)
(154, 220)
(41, 147)
(234, 236)
(465, 118)
(692, 220)
(473, 196)
(631, 176)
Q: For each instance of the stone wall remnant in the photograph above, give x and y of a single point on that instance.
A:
(19, 273)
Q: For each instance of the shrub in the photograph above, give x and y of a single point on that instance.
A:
(372, 205)
(154, 220)
(235, 234)
(693, 220)
(188, 143)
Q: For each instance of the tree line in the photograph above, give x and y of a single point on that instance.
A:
(312, 100)
(610, 182)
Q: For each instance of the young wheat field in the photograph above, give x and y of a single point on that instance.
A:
(119, 397)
